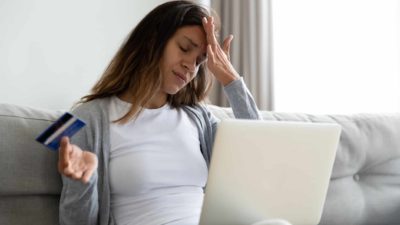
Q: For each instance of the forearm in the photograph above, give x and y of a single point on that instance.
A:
(241, 100)
(79, 202)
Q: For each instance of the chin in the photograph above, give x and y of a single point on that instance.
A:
(172, 91)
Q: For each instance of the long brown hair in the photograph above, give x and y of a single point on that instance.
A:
(135, 67)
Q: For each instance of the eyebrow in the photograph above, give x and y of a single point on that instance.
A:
(203, 57)
(191, 41)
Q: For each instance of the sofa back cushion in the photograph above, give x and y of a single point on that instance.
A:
(30, 184)
(365, 182)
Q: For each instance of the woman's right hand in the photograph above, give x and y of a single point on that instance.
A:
(75, 163)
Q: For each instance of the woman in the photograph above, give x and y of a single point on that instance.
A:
(147, 143)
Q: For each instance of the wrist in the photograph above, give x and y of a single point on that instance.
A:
(229, 78)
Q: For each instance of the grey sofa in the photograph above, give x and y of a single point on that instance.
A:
(364, 187)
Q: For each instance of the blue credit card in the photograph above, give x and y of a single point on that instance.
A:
(66, 125)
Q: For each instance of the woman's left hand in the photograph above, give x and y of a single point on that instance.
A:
(218, 57)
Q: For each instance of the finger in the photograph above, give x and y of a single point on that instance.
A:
(87, 175)
(213, 38)
(227, 45)
(64, 151)
(208, 23)
(210, 54)
(68, 171)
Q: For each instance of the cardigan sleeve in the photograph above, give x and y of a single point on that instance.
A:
(241, 100)
(79, 202)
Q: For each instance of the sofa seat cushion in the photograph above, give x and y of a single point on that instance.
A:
(28, 168)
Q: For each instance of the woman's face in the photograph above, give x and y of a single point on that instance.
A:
(183, 54)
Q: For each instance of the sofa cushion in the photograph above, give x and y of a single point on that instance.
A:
(28, 168)
(365, 181)
(29, 209)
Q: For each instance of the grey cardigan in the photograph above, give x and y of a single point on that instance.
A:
(89, 204)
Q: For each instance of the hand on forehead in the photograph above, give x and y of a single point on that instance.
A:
(209, 27)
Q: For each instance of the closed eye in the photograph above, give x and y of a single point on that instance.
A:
(183, 49)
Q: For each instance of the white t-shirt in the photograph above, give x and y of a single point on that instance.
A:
(157, 171)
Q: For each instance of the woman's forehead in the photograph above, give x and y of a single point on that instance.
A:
(195, 35)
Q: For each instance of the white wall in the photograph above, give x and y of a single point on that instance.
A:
(52, 52)
(339, 56)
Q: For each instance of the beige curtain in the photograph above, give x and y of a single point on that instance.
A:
(249, 22)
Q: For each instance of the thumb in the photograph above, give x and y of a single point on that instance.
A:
(64, 141)
(226, 45)
(65, 149)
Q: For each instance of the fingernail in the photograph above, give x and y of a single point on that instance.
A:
(204, 19)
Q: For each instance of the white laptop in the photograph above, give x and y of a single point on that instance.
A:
(267, 170)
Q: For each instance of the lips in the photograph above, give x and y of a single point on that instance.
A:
(180, 76)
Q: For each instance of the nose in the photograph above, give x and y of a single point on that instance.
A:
(189, 63)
